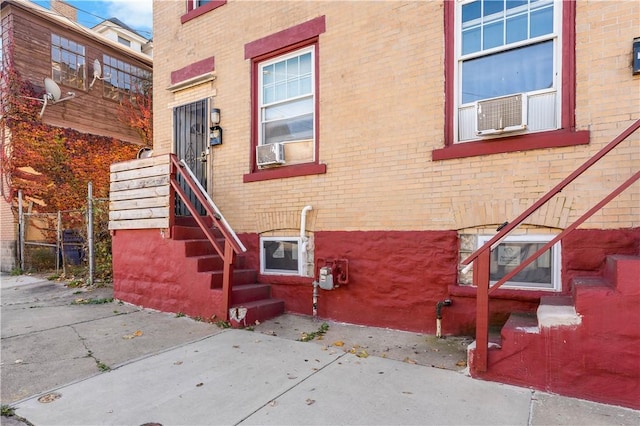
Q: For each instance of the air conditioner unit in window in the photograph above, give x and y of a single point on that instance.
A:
(269, 155)
(500, 115)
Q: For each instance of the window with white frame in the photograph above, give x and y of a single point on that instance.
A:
(506, 48)
(542, 274)
(280, 255)
(67, 62)
(287, 101)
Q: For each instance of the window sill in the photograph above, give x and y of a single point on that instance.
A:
(201, 10)
(285, 172)
(554, 139)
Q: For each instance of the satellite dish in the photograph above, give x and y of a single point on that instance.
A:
(144, 153)
(52, 90)
(97, 72)
(53, 94)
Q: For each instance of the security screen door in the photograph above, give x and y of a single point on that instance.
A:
(190, 138)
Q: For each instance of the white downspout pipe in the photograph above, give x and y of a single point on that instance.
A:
(303, 237)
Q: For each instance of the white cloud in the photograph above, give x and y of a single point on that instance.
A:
(138, 14)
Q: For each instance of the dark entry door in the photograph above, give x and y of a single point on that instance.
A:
(191, 138)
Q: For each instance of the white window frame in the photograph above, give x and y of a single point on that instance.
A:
(265, 271)
(312, 96)
(556, 37)
(555, 259)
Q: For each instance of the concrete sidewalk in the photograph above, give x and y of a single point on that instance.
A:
(177, 371)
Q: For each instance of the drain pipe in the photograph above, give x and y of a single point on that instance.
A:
(303, 238)
(315, 300)
(439, 305)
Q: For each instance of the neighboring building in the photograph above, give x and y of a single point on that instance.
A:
(51, 43)
(360, 136)
(116, 30)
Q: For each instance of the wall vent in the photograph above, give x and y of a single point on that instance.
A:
(500, 115)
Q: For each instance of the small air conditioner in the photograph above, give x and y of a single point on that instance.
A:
(269, 155)
(500, 115)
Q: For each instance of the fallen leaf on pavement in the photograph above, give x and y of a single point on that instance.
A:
(131, 336)
(310, 401)
(339, 343)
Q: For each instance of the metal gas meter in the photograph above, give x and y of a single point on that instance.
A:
(333, 274)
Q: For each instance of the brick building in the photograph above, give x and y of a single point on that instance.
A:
(388, 141)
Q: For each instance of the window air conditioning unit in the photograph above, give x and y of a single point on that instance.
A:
(500, 115)
(269, 155)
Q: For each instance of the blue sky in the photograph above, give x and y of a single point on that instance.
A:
(135, 13)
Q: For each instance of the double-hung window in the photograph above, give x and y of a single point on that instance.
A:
(284, 103)
(509, 50)
(287, 102)
(68, 62)
(509, 77)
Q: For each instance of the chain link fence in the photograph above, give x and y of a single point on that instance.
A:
(73, 244)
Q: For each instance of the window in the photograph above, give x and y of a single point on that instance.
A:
(67, 62)
(284, 89)
(508, 48)
(521, 49)
(287, 99)
(542, 274)
(124, 41)
(196, 8)
(121, 77)
(280, 256)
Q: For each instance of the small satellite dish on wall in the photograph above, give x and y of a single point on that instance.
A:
(53, 94)
(97, 72)
(144, 153)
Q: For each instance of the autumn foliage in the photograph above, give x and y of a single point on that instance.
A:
(64, 160)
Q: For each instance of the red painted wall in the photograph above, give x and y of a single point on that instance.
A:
(395, 277)
(151, 270)
(584, 250)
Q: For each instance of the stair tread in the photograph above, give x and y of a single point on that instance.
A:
(553, 315)
(521, 319)
(261, 302)
(249, 286)
(557, 300)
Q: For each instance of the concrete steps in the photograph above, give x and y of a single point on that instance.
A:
(578, 344)
(250, 301)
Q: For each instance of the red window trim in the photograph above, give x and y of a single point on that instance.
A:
(194, 13)
(288, 40)
(566, 136)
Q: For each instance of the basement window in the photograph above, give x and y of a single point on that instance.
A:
(280, 256)
(542, 274)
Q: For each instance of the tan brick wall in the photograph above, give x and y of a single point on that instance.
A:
(381, 113)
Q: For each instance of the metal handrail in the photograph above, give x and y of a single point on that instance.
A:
(213, 205)
(232, 244)
(480, 259)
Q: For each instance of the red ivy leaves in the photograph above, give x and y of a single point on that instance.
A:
(65, 159)
(136, 111)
